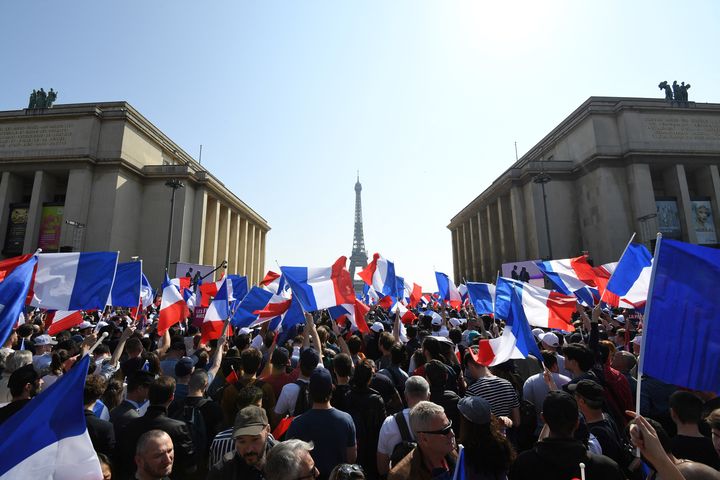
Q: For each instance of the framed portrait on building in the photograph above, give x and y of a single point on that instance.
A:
(703, 222)
(16, 228)
(668, 217)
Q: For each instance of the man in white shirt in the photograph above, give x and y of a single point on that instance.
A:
(286, 403)
(417, 389)
(535, 389)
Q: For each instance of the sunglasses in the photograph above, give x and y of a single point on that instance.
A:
(442, 431)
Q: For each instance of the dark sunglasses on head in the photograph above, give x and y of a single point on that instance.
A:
(442, 431)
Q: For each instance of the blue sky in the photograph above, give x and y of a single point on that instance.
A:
(290, 98)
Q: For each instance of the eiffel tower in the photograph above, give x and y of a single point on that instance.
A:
(358, 258)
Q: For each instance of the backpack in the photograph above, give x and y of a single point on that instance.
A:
(193, 417)
(303, 402)
(406, 444)
(528, 424)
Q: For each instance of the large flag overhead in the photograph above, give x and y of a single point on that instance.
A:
(146, 292)
(256, 299)
(355, 313)
(126, 287)
(217, 313)
(482, 296)
(630, 281)
(273, 282)
(74, 281)
(48, 439)
(517, 340)
(543, 308)
(380, 274)
(572, 276)
(13, 291)
(447, 290)
(319, 288)
(60, 320)
(173, 308)
(682, 329)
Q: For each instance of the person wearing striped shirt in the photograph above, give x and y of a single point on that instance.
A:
(499, 393)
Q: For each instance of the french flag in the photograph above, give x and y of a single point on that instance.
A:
(482, 297)
(173, 308)
(517, 340)
(146, 292)
(542, 308)
(74, 281)
(217, 313)
(285, 323)
(126, 288)
(60, 320)
(273, 282)
(415, 295)
(406, 316)
(208, 290)
(572, 276)
(13, 291)
(630, 281)
(380, 274)
(370, 296)
(355, 313)
(190, 298)
(448, 291)
(256, 299)
(319, 288)
(49, 439)
(276, 307)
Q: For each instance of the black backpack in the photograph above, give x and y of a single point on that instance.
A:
(303, 402)
(406, 445)
(193, 417)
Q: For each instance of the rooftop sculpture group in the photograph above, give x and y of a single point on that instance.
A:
(41, 99)
(677, 94)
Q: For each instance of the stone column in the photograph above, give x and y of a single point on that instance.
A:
(250, 257)
(491, 214)
(518, 223)
(708, 185)
(642, 201)
(199, 222)
(42, 191)
(234, 240)
(10, 192)
(466, 252)
(461, 252)
(485, 245)
(474, 249)
(455, 252)
(263, 262)
(223, 250)
(77, 204)
(676, 183)
(242, 245)
(505, 230)
(259, 259)
(212, 224)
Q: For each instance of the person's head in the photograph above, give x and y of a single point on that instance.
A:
(472, 368)
(309, 360)
(549, 359)
(162, 391)
(417, 390)
(606, 351)
(363, 373)
(432, 429)
(431, 348)
(343, 365)
(386, 342)
(624, 361)
(436, 374)
(101, 351)
(714, 420)
(250, 359)
(94, 388)
(397, 354)
(113, 395)
(24, 382)
(18, 359)
(347, 471)
(249, 395)
(280, 359)
(487, 448)
(250, 433)
(184, 368)
(154, 454)
(138, 385)
(354, 344)
(619, 338)
(685, 408)
(589, 396)
(578, 358)
(697, 471)
(133, 347)
(290, 459)
(198, 383)
(105, 466)
(321, 386)
(43, 344)
(549, 341)
(560, 413)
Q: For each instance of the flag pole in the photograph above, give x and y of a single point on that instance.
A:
(97, 343)
(643, 342)
(457, 465)
(621, 256)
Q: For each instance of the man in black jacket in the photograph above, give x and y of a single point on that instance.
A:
(160, 396)
(252, 443)
(138, 386)
(558, 457)
(101, 431)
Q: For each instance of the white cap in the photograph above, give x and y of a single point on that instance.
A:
(455, 322)
(620, 318)
(550, 339)
(84, 324)
(537, 332)
(637, 340)
(436, 320)
(245, 331)
(377, 327)
(44, 340)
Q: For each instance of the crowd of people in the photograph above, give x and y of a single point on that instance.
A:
(397, 402)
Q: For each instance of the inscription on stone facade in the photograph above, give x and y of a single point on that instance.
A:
(663, 128)
(28, 136)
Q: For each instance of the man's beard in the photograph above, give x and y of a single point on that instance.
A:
(252, 458)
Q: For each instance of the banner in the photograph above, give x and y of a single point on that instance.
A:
(668, 217)
(50, 225)
(703, 222)
(526, 271)
(17, 225)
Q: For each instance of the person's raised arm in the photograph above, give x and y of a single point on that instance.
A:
(217, 359)
(396, 326)
(310, 322)
(121, 344)
(267, 370)
(164, 344)
(339, 339)
(645, 438)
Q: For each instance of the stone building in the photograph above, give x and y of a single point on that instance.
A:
(614, 167)
(92, 177)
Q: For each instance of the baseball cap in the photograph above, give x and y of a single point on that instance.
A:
(472, 335)
(84, 324)
(377, 327)
(589, 389)
(280, 357)
(22, 376)
(184, 367)
(476, 409)
(436, 320)
(320, 383)
(244, 331)
(537, 332)
(250, 420)
(620, 318)
(309, 359)
(550, 339)
(637, 340)
(44, 340)
(455, 322)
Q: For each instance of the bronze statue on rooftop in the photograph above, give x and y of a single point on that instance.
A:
(675, 94)
(42, 99)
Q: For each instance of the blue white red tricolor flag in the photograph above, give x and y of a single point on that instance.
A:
(126, 287)
(59, 320)
(273, 282)
(482, 297)
(256, 299)
(380, 274)
(14, 289)
(572, 276)
(629, 284)
(173, 308)
(49, 438)
(320, 288)
(217, 313)
(448, 291)
(542, 308)
(354, 312)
